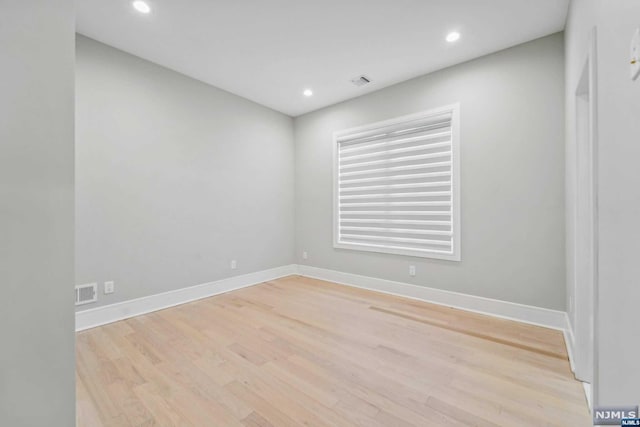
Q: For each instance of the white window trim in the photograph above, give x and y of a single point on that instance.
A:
(455, 180)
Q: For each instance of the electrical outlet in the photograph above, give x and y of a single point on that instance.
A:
(109, 287)
(412, 270)
(305, 255)
(234, 264)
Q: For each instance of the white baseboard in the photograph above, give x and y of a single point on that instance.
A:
(569, 340)
(507, 310)
(587, 393)
(123, 310)
(547, 318)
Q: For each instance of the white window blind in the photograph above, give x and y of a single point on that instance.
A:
(397, 186)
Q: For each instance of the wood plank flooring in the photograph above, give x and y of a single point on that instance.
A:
(303, 352)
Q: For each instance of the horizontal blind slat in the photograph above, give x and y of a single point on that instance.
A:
(393, 187)
(406, 204)
(398, 168)
(399, 230)
(349, 181)
(399, 239)
(396, 195)
(377, 153)
(396, 160)
(397, 213)
(427, 139)
(394, 221)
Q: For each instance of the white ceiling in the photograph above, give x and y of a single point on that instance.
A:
(269, 51)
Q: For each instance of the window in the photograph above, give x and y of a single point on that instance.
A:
(396, 186)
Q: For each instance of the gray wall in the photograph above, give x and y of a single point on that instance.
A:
(512, 176)
(174, 178)
(617, 326)
(37, 386)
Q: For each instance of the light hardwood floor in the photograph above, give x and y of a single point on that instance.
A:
(303, 352)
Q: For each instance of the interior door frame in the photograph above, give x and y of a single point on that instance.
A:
(586, 293)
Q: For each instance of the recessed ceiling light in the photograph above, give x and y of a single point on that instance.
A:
(453, 36)
(307, 92)
(141, 6)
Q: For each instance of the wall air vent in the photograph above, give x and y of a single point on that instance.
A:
(361, 81)
(86, 294)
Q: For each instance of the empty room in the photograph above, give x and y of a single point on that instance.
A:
(319, 213)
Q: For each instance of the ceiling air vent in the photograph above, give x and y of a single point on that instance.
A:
(86, 294)
(361, 81)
